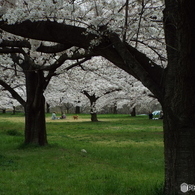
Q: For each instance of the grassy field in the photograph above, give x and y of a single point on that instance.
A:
(124, 157)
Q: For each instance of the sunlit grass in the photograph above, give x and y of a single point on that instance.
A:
(124, 156)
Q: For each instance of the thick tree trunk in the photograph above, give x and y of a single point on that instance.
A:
(179, 104)
(179, 135)
(179, 138)
(35, 128)
(94, 117)
(93, 109)
(92, 99)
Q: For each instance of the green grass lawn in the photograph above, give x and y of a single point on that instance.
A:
(124, 156)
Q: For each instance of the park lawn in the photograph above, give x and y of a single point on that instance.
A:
(124, 156)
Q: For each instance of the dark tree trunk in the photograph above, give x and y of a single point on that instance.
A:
(179, 104)
(94, 117)
(77, 110)
(35, 128)
(179, 138)
(133, 112)
(47, 108)
(92, 99)
(14, 110)
(115, 109)
(93, 110)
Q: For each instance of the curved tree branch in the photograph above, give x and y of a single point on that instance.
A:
(8, 46)
(13, 92)
(111, 47)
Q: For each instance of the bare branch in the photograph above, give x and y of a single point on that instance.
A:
(126, 20)
(139, 23)
(78, 63)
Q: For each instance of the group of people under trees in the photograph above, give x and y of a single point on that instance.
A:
(54, 117)
(150, 115)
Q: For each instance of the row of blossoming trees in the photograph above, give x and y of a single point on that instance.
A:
(102, 84)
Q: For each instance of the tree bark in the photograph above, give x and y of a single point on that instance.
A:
(94, 117)
(179, 139)
(179, 104)
(93, 111)
(35, 127)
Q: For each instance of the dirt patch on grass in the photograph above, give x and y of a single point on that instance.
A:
(68, 119)
(117, 143)
(12, 119)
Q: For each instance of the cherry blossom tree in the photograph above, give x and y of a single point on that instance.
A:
(36, 72)
(91, 85)
(59, 93)
(82, 80)
(130, 35)
(95, 81)
(131, 93)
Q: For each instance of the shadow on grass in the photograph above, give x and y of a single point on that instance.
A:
(32, 146)
(158, 189)
(13, 132)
